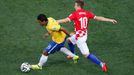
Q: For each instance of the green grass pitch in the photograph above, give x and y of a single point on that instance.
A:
(21, 37)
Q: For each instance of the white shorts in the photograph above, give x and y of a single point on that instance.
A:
(81, 43)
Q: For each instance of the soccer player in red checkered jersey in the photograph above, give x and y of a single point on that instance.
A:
(81, 19)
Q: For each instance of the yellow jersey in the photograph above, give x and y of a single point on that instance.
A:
(54, 29)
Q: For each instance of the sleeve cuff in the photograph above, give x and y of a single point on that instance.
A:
(94, 17)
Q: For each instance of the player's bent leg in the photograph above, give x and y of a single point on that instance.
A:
(82, 45)
(69, 53)
(85, 51)
(43, 59)
(71, 46)
(51, 48)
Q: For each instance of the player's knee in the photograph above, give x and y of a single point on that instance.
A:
(68, 40)
(62, 49)
(86, 55)
(45, 53)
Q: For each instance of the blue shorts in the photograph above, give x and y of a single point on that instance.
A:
(53, 47)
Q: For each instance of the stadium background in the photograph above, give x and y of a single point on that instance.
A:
(21, 37)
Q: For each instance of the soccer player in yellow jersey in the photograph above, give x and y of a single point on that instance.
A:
(58, 34)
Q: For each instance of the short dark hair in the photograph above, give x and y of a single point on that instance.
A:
(42, 17)
(80, 3)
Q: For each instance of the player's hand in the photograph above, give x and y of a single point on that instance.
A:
(113, 21)
(72, 33)
(45, 35)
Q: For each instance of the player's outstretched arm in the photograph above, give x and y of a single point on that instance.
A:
(100, 18)
(65, 31)
(65, 20)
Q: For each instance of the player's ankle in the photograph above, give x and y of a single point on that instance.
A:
(39, 65)
(101, 64)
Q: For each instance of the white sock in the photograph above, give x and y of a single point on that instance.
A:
(67, 52)
(43, 60)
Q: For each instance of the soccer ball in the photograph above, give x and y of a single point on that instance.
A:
(25, 67)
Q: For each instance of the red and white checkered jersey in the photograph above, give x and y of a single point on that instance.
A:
(81, 19)
(80, 33)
